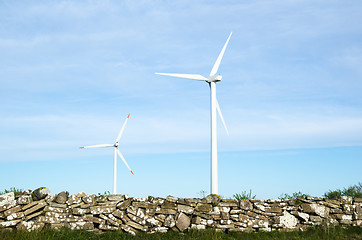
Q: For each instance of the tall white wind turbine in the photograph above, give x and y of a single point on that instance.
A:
(211, 80)
(116, 151)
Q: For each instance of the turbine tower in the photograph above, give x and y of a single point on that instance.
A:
(116, 151)
(211, 80)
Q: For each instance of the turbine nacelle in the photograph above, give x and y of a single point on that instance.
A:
(215, 78)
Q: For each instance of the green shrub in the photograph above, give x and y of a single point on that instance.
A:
(354, 191)
(244, 196)
(294, 196)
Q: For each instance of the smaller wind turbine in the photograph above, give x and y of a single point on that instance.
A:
(116, 151)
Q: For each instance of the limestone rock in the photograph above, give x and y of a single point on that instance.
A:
(169, 221)
(7, 198)
(316, 219)
(40, 193)
(171, 199)
(81, 194)
(61, 197)
(214, 199)
(346, 200)
(288, 220)
(183, 222)
(124, 205)
(73, 199)
(246, 205)
(320, 210)
(358, 213)
(88, 199)
(29, 226)
(116, 198)
(24, 199)
(203, 207)
(81, 225)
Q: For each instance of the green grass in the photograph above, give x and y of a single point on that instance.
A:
(350, 233)
(12, 189)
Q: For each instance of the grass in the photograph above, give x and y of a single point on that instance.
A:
(244, 196)
(351, 233)
(12, 189)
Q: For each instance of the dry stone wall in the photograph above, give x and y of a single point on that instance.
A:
(38, 209)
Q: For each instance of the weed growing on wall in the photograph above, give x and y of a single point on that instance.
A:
(244, 196)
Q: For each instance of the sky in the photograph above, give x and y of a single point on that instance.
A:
(71, 71)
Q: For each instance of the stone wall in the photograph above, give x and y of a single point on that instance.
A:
(37, 209)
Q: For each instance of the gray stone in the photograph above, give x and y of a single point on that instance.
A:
(24, 199)
(169, 205)
(144, 205)
(90, 218)
(358, 213)
(172, 199)
(196, 220)
(246, 205)
(35, 208)
(81, 194)
(80, 211)
(203, 207)
(137, 226)
(320, 210)
(88, 199)
(288, 220)
(228, 203)
(73, 199)
(12, 210)
(57, 210)
(116, 197)
(61, 197)
(213, 199)
(81, 225)
(182, 222)
(169, 221)
(185, 208)
(124, 205)
(7, 198)
(345, 222)
(29, 226)
(346, 200)
(14, 216)
(9, 223)
(33, 215)
(99, 209)
(40, 193)
(315, 219)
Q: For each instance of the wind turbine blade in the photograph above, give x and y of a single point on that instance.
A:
(122, 129)
(188, 76)
(222, 118)
(124, 160)
(218, 60)
(99, 146)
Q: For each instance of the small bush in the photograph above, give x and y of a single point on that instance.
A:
(354, 191)
(244, 196)
(294, 196)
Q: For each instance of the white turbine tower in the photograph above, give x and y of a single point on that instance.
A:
(211, 80)
(116, 151)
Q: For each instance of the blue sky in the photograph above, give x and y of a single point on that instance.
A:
(71, 71)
